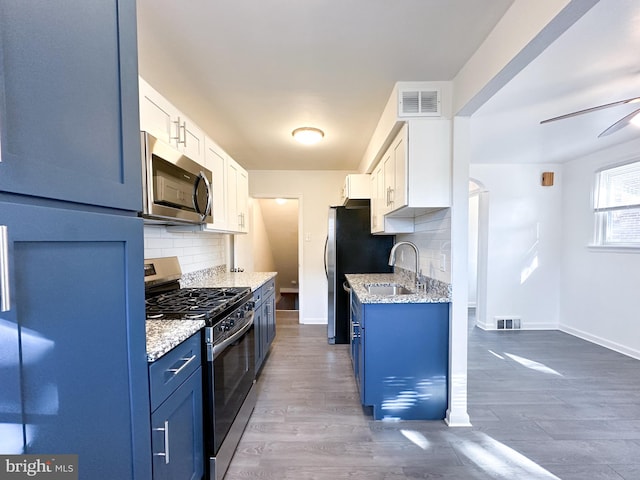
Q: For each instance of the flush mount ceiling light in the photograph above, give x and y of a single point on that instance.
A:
(308, 135)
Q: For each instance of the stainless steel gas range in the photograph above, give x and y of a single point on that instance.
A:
(228, 352)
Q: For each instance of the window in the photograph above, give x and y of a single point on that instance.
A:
(617, 206)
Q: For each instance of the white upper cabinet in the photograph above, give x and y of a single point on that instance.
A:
(230, 186)
(356, 188)
(237, 197)
(164, 121)
(215, 159)
(378, 201)
(421, 155)
(416, 176)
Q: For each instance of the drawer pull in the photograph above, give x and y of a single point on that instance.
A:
(5, 294)
(164, 454)
(187, 361)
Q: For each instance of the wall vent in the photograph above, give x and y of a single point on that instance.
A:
(419, 103)
(508, 323)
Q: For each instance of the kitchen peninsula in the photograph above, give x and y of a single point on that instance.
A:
(400, 346)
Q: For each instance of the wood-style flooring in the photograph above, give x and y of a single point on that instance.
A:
(544, 405)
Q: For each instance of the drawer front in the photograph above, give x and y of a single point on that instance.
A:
(269, 288)
(258, 295)
(172, 369)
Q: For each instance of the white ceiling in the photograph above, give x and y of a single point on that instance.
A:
(594, 62)
(251, 71)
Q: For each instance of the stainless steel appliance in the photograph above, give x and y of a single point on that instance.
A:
(228, 353)
(350, 248)
(176, 189)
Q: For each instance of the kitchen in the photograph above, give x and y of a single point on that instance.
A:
(315, 188)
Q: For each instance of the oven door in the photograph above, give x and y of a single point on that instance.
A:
(232, 376)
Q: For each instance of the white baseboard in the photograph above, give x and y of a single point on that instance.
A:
(523, 327)
(603, 342)
(288, 290)
(313, 321)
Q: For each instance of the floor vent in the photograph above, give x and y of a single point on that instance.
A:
(508, 323)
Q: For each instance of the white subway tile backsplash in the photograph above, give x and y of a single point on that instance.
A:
(195, 250)
(433, 238)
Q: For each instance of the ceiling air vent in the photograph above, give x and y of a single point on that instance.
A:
(419, 103)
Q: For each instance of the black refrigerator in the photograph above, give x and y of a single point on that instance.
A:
(350, 248)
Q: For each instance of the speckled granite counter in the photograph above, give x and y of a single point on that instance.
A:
(212, 279)
(436, 291)
(163, 335)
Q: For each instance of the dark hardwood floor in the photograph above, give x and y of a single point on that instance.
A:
(544, 405)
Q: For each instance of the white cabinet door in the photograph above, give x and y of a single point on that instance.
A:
(192, 140)
(237, 197)
(377, 200)
(389, 180)
(399, 153)
(243, 199)
(216, 161)
(163, 120)
(156, 113)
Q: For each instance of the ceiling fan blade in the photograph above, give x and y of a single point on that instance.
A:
(592, 109)
(623, 122)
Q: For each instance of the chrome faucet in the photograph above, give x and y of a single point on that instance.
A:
(392, 260)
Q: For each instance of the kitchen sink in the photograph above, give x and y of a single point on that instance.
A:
(388, 290)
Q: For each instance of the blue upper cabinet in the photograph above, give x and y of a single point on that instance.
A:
(69, 124)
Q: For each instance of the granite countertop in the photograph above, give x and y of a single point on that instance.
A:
(436, 291)
(254, 280)
(163, 335)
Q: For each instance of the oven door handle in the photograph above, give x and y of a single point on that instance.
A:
(219, 348)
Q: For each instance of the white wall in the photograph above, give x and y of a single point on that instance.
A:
(474, 211)
(316, 190)
(600, 288)
(253, 251)
(524, 244)
(195, 251)
(433, 238)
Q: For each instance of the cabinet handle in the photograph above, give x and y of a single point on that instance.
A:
(184, 133)
(164, 454)
(177, 137)
(5, 300)
(187, 361)
(354, 334)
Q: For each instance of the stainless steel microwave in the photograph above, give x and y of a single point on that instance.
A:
(176, 189)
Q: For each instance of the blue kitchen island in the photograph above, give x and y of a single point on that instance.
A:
(400, 348)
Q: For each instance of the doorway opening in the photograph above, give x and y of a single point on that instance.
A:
(280, 219)
(478, 245)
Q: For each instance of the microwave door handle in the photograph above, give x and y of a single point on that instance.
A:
(209, 206)
(207, 209)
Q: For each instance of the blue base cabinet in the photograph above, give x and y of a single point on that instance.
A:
(76, 336)
(264, 320)
(176, 420)
(402, 359)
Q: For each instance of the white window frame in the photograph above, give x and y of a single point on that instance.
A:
(606, 205)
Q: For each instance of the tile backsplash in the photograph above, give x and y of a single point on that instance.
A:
(195, 250)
